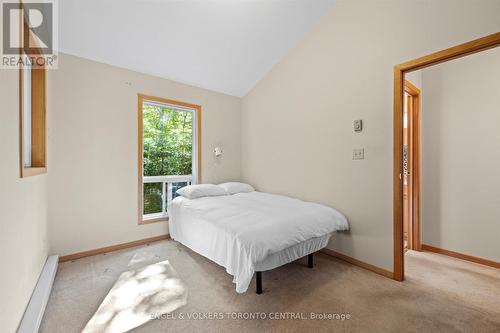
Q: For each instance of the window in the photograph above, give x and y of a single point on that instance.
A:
(169, 153)
(32, 119)
(32, 101)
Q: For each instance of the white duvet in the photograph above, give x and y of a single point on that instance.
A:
(237, 231)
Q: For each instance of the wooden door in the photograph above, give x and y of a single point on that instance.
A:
(411, 167)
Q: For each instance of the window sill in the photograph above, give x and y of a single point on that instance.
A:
(28, 172)
(146, 220)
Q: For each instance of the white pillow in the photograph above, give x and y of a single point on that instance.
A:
(235, 187)
(201, 190)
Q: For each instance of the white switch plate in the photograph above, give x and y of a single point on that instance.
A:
(358, 154)
(358, 125)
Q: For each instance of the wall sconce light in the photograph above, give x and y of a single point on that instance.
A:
(217, 151)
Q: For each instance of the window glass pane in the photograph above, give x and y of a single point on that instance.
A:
(27, 115)
(152, 198)
(167, 141)
(176, 186)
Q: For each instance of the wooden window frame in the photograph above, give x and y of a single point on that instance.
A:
(38, 115)
(459, 51)
(141, 98)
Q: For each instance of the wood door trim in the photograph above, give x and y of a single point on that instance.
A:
(411, 89)
(455, 52)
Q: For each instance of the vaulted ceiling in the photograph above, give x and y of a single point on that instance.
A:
(221, 45)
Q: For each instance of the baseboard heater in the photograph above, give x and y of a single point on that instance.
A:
(33, 315)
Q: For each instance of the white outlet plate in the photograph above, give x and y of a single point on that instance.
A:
(358, 154)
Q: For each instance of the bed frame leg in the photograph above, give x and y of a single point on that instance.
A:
(310, 260)
(258, 282)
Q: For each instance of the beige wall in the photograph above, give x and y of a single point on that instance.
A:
(23, 213)
(415, 78)
(461, 155)
(93, 150)
(297, 121)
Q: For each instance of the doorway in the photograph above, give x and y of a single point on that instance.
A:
(400, 70)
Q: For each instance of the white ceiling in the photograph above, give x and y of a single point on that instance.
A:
(221, 45)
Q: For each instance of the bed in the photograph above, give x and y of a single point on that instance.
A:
(252, 232)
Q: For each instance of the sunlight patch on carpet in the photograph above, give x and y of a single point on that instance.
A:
(136, 296)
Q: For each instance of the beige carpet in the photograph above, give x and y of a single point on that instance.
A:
(138, 295)
(441, 294)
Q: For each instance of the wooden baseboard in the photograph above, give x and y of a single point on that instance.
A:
(112, 248)
(32, 318)
(462, 256)
(359, 263)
